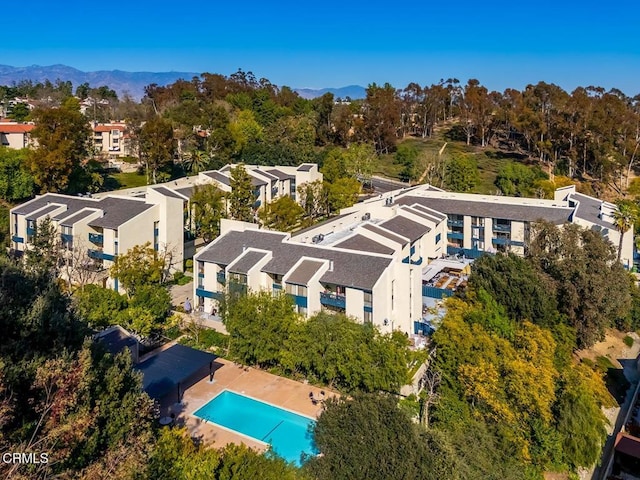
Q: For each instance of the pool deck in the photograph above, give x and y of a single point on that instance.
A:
(281, 392)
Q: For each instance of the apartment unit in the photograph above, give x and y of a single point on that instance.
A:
(15, 135)
(109, 140)
(377, 260)
(366, 278)
(105, 227)
(269, 183)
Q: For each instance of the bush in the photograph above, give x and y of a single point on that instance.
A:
(188, 265)
(604, 364)
(628, 341)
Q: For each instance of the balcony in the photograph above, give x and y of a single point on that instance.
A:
(221, 277)
(17, 239)
(333, 300)
(455, 223)
(299, 300)
(237, 288)
(501, 241)
(201, 292)
(96, 238)
(66, 237)
(466, 252)
(277, 286)
(455, 235)
(100, 255)
(501, 227)
(31, 231)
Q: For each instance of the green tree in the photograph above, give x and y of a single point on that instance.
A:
(518, 179)
(407, 156)
(259, 324)
(42, 258)
(20, 112)
(336, 350)
(593, 289)
(313, 197)
(157, 149)
(354, 434)
(334, 166)
(62, 135)
(140, 266)
(98, 306)
(342, 193)
(282, 214)
(208, 206)
(241, 198)
(623, 218)
(461, 173)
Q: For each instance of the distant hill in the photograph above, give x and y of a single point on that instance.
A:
(130, 82)
(352, 91)
(133, 83)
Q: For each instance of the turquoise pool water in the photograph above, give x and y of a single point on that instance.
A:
(288, 433)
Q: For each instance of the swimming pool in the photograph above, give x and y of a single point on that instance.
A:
(288, 433)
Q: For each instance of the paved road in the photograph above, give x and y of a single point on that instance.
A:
(382, 185)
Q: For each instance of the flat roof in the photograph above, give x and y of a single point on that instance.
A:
(167, 192)
(162, 373)
(589, 209)
(305, 167)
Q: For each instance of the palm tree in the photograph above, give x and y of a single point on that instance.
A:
(623, 218)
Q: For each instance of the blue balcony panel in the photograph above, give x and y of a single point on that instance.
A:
(368, 309)
(455, 223)
(434, 292)
(299, 300)
(96, 238)
(501, 241)
(467, 252)
(221, 277)
(497, 227)
(100, 255)
(17, 239)
(201, 292)
(455, 235)
(333, 300)
(31, 231)
(66, 237)
(277, 286)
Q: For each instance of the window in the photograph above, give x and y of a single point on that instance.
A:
(367, 317)
(368, 299)
(438, 238)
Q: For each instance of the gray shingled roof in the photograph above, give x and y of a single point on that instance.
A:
(305, 167)
(186, 191)
(420, 214)
(350, 269)
(266, 173)
(589, 209)
(255, 181)
(304, 272)
(427, 211)
(405, 227)
(364, 244)
(384, 233)
(281, 175)
(44, 212)
(246, 262)
(522, 213)
(118, 211)
(167, 192)
(70, 221)
(220, 177)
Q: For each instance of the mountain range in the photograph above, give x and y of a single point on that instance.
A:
(133, 83)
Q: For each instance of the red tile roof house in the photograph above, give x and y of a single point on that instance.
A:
(15, 135)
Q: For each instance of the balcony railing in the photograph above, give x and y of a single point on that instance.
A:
(96, 238)
(237, 288)
(277, 286)
(467, 252)
(501, 241)
(501, 227)
(201, 292)
(100, 255)
(66, 237)
(221, 277)
(455, 235)
(455, 223)
(31, 231)
(299, 300)
(17, 239)
(333, 300)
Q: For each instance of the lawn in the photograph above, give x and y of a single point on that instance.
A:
(118, 181)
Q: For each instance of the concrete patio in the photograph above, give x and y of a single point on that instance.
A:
(281, 392)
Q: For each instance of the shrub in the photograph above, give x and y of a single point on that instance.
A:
(628, 341)
(604, 364)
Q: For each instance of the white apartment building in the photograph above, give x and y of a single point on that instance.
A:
(105, 227)
(109, 140)
(373, 261)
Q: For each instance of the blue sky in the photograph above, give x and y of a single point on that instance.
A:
(337, 43)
